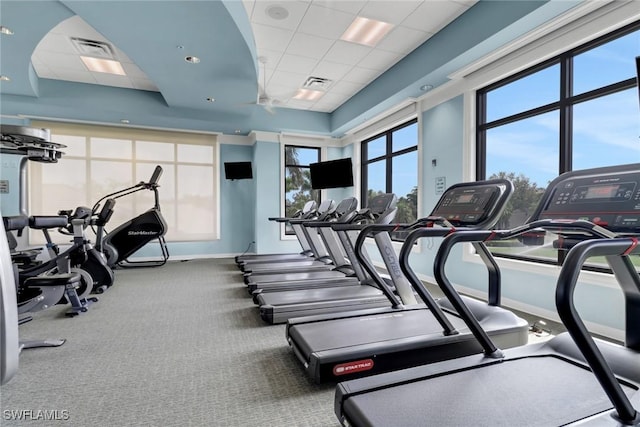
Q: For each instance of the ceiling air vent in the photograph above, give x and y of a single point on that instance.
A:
(94, 48)
(317, 83)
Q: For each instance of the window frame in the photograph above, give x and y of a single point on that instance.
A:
(387, 157)
(564, 105)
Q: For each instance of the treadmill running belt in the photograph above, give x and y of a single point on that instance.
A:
(534, 391)
(354, 331)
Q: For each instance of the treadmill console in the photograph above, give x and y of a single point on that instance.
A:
(610, 198)
(471, 204)
(382, 202)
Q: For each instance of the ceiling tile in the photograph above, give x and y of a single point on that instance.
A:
(361, 75)
(296, 64)
(75, 75)
(346, 53)
(287, 79)
(43, 71)
(331, 70)
(323, 22)
(271, 38)
(349, 6)
(432, 16)
(333, 98)
(300, 104)
(346, 88)
(143, 84)
(61, 60)
(282, 92)
(403, 40)
(393, 12)
(379, 59)
(58, 43)
(113, 80)
(309, 46)
(77, 27)
(272, 56)
(132, 70)
(295, 9)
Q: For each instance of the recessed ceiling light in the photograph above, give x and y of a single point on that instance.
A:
(5, 30)
(277, 12)
(192, 59)
(366, 31)
(4, 78)
(308, 95)
(238, 131)
(99, 65)
(426, 88)
(211, 99)
(125, 121)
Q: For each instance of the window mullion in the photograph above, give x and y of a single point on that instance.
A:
(389, 164)
(566, 108)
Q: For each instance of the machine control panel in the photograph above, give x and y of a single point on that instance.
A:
(467, 205)
(610, 200)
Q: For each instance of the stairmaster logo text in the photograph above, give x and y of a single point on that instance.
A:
(142, 233)
(36, 415)
(353, 367)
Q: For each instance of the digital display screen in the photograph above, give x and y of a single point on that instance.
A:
(463, 198)
(601, 191)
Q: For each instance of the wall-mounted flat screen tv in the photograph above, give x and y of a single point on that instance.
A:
(331, 174)
(238, 170)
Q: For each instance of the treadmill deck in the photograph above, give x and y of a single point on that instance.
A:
(495, 395)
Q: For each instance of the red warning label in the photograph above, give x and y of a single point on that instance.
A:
(352, 367)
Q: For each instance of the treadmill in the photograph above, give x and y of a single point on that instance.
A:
(572, 379)
(381, 210)
(278, 307)
(354, 344)
(335, 259)
(308, 211)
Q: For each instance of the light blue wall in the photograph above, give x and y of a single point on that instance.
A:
(10, 171)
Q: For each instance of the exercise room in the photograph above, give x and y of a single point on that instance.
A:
(321, 213)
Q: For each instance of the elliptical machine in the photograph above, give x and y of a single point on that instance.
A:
(123, 241)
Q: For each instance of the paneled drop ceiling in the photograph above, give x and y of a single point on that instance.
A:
(296, 41)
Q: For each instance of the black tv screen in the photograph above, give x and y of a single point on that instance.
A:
(331, 174)
(238, 170)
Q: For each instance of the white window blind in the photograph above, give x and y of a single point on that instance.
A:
(100, 160)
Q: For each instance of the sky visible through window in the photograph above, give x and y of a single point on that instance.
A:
(606, 130)
(405, 167)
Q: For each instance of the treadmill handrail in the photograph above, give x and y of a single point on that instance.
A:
(448, 328)
(560, 226)
(565, 288)
(447, 288)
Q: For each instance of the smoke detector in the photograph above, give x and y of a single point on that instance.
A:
(317, 83)
(93, 48)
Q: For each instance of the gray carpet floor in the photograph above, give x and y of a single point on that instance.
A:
(179, 345)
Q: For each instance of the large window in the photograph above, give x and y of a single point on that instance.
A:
(390, 165)
(99, 160)
(297, 178)
(576, 111)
